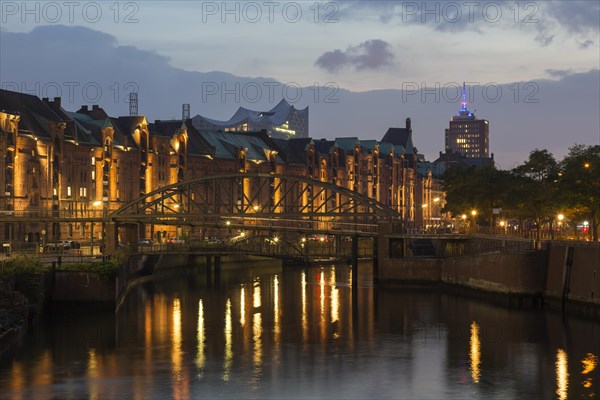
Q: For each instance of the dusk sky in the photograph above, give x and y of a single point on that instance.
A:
(533, 66)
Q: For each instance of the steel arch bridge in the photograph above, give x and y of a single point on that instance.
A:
(259, 201)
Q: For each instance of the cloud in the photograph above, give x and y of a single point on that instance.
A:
(559, 73)
(586, 44)
(544, 39)
(577, 16)
(85, 66)
(372, 54)
(546, 18)
(537, 110)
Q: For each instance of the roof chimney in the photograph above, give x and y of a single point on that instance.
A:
(57, 101)
(94, 106)
(84, 108)
(408, 123)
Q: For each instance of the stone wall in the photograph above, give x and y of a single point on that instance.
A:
(567, 270)
(494, 272)
(574, 272)
(81, 286)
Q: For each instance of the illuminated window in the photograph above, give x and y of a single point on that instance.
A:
(93, 160)
(68, 191)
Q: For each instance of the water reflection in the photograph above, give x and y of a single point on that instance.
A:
(201, 357)
(589, 363)
(475, 352)
(228, 341)
(180, 379)
(304, 311)
(242, 306)
(562, 374)
(298, 334)
(93, 374)
(276, 328)
(322, 324)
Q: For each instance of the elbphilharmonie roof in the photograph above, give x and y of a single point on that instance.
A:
(276, 116)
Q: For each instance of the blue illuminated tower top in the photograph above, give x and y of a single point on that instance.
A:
(464, 112)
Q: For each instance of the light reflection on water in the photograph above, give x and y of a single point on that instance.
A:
(294, 333)
(475, 352)
(562, 374)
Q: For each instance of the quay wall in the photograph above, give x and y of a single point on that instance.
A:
(494, 272)
(563, 272)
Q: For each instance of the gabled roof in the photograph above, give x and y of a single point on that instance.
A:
(400, 137)
(296, 150)
(227, 144)
(347, 143)
(168, 128)
(35, 114)
(324, 146)
(368, 145)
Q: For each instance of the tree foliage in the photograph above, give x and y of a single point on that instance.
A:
(580, 183)
(536, 190)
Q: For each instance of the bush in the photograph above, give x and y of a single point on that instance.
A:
(23, 264)
(106, 269)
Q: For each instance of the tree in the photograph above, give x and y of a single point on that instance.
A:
(580, 182)
(536, 188)
(482, 189)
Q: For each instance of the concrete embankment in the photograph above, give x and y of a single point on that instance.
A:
(494, 272)
(565, 272)
(573, 273)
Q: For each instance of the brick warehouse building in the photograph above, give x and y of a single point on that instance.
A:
(89, 163)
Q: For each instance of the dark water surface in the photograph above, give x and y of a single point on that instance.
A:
(272, 332)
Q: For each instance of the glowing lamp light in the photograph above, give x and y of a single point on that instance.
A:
(255, 208)
(502, 223)
(560, 217)
(227, 223)
(97, 203)
(464, 216)
(276, 239)
(474, 212)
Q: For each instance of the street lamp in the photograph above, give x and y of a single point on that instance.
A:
(474, 214)
(503, 226)
(95, 204)
(560, 218)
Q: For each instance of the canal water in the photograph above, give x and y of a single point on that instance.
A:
(263, 331)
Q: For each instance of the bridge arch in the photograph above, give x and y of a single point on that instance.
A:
(260, 199)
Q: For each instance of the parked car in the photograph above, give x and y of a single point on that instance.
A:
(144, 242)
(174, 240)
(60, 245)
